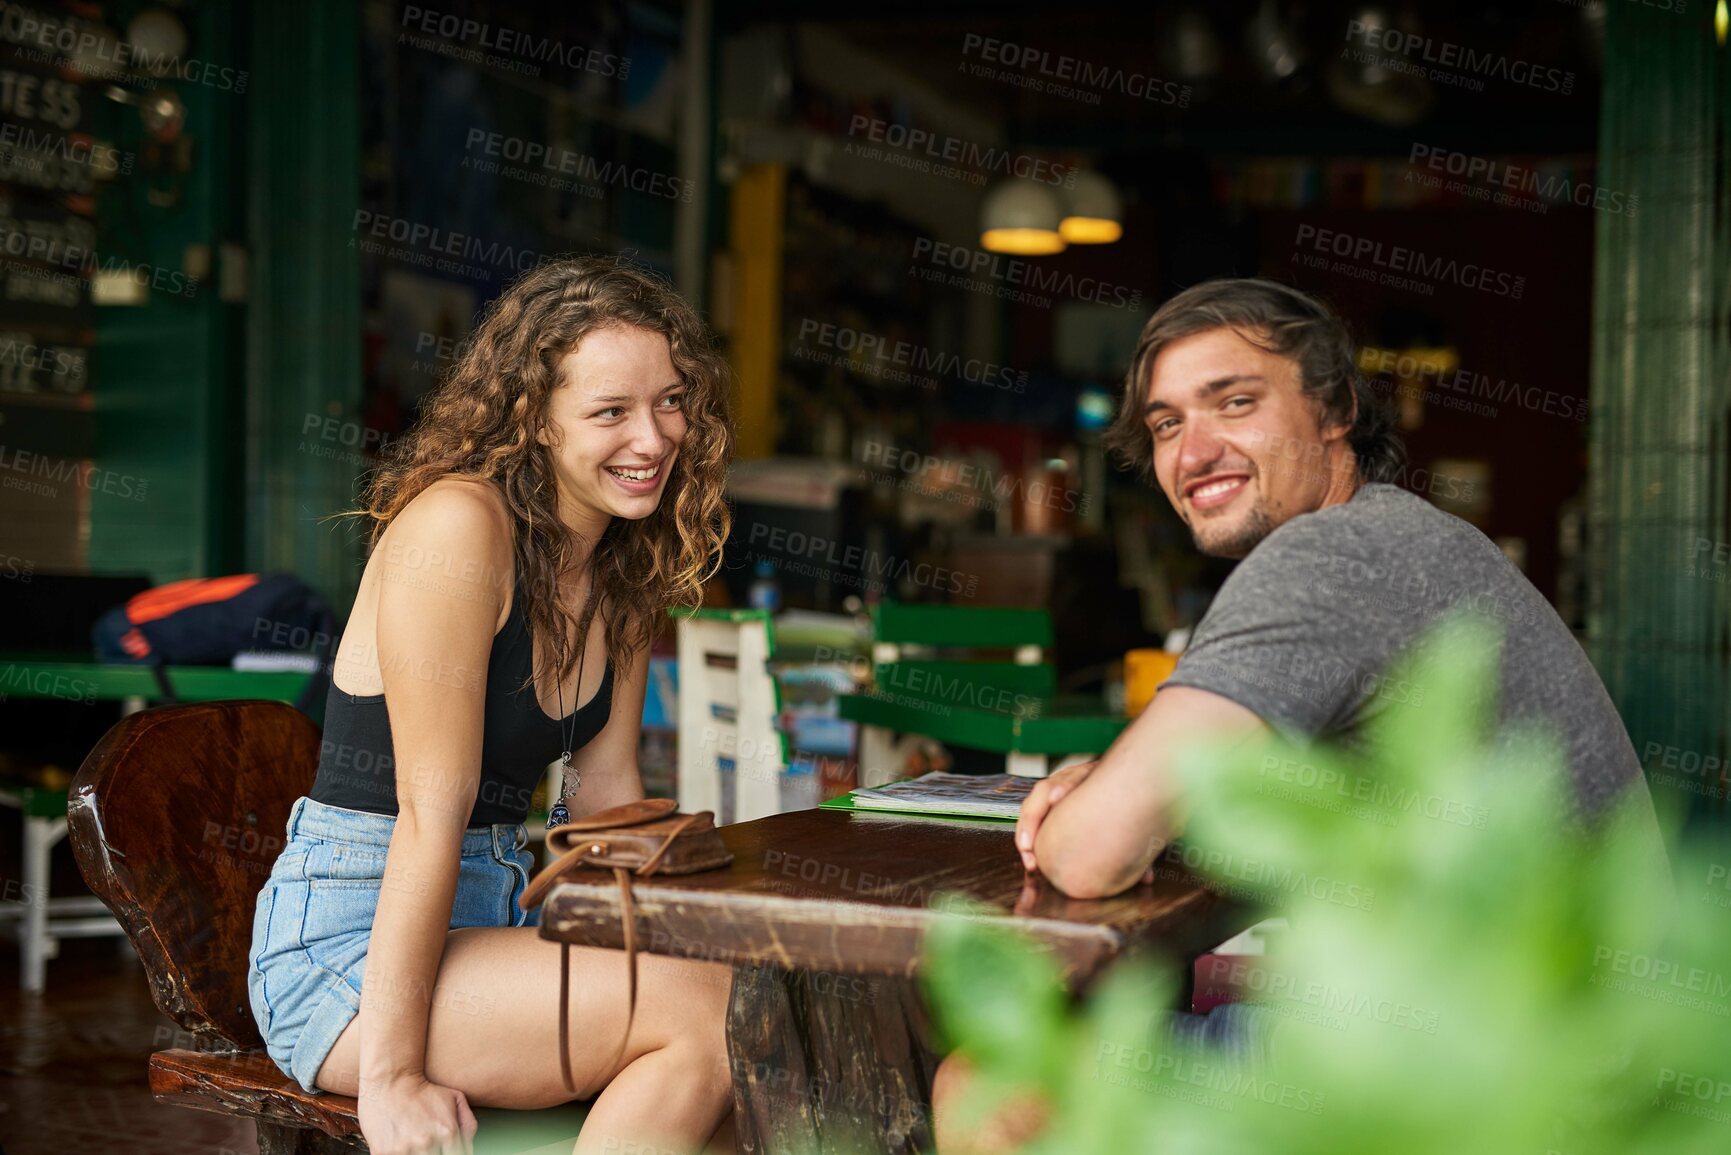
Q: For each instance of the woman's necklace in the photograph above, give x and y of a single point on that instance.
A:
(569, 780)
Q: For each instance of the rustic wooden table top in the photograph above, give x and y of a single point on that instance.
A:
(828, 890)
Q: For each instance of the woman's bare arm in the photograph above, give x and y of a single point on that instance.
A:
(444, 569)
(608, 764)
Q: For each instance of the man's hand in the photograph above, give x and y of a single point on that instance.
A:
(1041, 799)
(1101, 826)
(1047, 793)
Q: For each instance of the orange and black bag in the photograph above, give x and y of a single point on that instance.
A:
(207, 621)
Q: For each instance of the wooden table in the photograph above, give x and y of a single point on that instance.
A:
(822, 915)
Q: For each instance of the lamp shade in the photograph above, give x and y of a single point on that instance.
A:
(156, 35)
(1094, 212)
(1021, 217)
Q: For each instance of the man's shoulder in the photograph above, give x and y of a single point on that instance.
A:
(1380, 506)
(1385, 557)
(1379, 518)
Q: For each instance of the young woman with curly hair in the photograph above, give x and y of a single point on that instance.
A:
(562, 490)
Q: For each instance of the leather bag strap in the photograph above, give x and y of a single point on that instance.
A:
(654, 860)
(565, 1015)
(628, 919)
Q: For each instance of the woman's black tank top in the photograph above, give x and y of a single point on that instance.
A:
(357, 768)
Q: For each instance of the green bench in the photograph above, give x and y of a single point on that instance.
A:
(1007, 705)
(70, 679)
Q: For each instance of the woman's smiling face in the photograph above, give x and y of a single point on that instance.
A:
(615, 421)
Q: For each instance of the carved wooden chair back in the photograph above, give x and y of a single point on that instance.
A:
(176, 817)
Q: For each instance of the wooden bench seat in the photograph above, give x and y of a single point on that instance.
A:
(248, 1083)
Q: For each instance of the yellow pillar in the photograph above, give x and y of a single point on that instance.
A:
(758, 214)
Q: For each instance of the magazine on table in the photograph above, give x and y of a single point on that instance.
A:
(988, 795)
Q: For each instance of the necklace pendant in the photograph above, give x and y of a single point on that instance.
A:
(565, 758)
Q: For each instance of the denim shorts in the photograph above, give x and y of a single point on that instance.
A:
(315, 917)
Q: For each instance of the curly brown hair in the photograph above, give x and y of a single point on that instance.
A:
(481, 423)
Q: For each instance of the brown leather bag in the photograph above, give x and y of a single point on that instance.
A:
(637, 839)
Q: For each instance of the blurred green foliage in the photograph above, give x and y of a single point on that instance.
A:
(1468, 967)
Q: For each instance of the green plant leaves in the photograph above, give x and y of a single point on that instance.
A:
(995, 995)
(1468, 967)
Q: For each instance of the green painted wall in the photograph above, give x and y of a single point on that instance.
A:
(203, 397)
(1659, 621)
(166, 373)
(304, 336)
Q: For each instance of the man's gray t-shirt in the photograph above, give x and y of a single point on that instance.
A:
(1305, 630)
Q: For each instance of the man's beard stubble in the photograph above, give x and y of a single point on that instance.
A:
(1240, 540)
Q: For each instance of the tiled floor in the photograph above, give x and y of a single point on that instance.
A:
(72, 1063)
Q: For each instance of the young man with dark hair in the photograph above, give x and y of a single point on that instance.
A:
(1244, 404)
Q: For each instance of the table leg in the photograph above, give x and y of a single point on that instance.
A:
(829, 1063)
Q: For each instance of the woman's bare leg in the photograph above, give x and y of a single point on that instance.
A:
(1019, 1119)
(725, 1141)
(493, 1033)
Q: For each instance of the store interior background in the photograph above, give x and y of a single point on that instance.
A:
(250, 407)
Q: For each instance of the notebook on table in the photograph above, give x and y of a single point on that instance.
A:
(995, 796)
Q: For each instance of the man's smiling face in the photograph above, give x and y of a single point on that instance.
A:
(1238, 448)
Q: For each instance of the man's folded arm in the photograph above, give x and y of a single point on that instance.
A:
(1100, 838)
